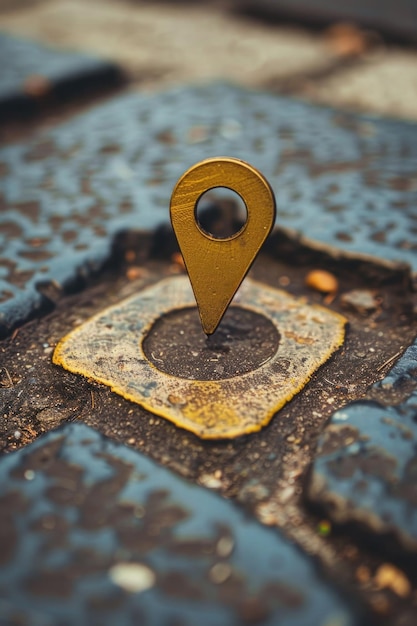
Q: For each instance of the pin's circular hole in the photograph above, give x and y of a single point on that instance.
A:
(221, 213)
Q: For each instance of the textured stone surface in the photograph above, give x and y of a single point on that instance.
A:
(95, 533)
(171, 43)
(341, 181)
(385, 83)
(397, 18)
(161, 44)
(31, 71)
(366, 463)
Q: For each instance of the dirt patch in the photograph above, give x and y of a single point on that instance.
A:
(177, 345)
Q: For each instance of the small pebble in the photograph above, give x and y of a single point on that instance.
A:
(360, 300)
(322, 281)
(210, 481)
(133, 577)
(219, 573)
(225, 547)
(347, 40)
(389, 576)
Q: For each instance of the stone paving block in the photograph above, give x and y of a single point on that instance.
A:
(385, 83)
(31, 72)
(397, 18)
(95, 533)
(170, 43)
(343, 183)
(366, 465)
(162, 44)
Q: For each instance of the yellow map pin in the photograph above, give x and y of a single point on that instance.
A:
(216, 267)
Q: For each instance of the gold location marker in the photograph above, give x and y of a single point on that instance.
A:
(216, 267)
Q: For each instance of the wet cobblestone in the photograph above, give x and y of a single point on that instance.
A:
(365, 469)
(33, 73)
(95, 533)
(343, 183)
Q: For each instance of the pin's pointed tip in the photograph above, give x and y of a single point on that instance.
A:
(209, 327)
(210, 330)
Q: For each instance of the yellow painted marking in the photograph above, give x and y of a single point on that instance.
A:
(108, 349)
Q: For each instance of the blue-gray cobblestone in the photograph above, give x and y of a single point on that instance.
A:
(343, 182)
(366, 465)
(23, 62)
(74, 505)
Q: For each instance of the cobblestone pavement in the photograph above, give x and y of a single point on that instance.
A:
(153, 40)
(35, 74)
(107, 512)
(113, 537)
(368, 449)
(337, 180)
